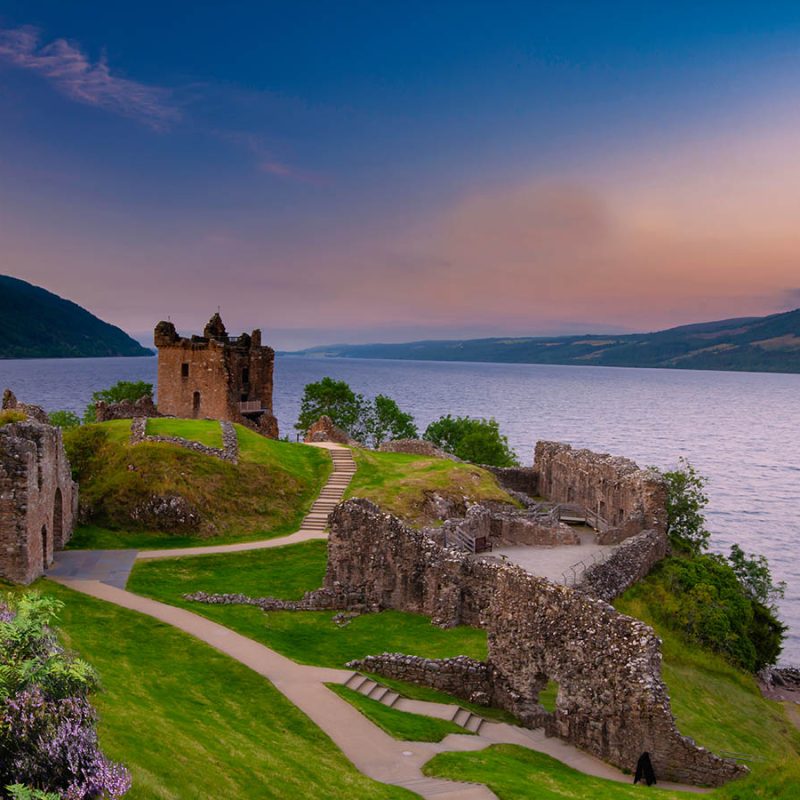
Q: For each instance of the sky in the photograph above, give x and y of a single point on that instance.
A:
(360, 172)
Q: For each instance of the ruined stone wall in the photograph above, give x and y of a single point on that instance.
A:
(417, 447)
(628, 563)
(324, 430)
(126, 409)
(516, 479)
(219, 372)
(38, 499)
(611, 700)
(628, 498)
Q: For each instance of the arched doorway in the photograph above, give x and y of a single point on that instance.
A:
(58, 521)
(196, 405)
(45, 562)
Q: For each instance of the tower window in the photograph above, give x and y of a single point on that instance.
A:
(185, 370)
(246, 375)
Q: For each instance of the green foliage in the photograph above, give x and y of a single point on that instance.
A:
(686, 499)
(475, 440)
(331, 398)
(367, 421)
(702, 597)
(755, 576)
(399, 724)
(29, 655)
(10, 416)
(64, 419)
(84, 446)
(122, 390)
(20, 792)
(387, 422)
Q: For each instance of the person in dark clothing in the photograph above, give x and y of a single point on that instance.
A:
(644, 770)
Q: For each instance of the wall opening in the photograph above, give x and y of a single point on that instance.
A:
(196, 405)
(45, 563)
(548, 696)
(185, 369)
(246, 375)
(58, 520)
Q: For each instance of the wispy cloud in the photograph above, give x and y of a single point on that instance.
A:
(267, 161)
(73, 73)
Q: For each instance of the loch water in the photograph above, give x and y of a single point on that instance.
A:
(741, 430)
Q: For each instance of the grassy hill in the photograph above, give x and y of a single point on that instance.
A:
(753, 344)
(40, 324)
(266, 494)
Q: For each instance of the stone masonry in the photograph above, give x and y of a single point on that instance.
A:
(38, 498)
(216, 376)
(611, 701)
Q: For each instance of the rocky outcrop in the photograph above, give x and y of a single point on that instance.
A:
(166, 513)
(36, 413)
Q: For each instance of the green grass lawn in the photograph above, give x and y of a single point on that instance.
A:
(192, 724)
(399, 724)
(309, 637)
(267, 494)
(401, 483)
(205, 431)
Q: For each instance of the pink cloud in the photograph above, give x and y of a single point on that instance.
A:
(72, 73)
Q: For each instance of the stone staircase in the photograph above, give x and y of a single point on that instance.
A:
(344, 467)
(388, 697)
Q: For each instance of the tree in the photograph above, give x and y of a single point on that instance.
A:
(475, 440)
(386, 421)
(686, 500)
(753, 572)
(64, 419)
(334, 399)
(122, 390)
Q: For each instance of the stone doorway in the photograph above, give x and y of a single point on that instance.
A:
(58, 521)
(45, 563)
(196, 405)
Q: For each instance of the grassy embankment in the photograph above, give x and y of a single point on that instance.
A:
(190, 722)
(309, 637)
(403, 484)
(266, 494)
(399, 724)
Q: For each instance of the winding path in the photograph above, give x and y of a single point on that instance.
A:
(103, 574)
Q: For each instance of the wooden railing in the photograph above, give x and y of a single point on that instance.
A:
(249, 406)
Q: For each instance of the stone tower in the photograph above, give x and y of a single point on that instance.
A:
(216, 376)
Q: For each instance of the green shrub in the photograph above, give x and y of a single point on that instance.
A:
(10, 416)
(84, 446)
(476, 440)
(686, 499)
(64, 419)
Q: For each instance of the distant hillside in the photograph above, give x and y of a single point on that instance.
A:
(35, 323)
(753, 344)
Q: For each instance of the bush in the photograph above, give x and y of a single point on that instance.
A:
(686, 499)
(10, 416)
(84, 446)
(122, 390)
(64, 419)
(48, 736)
(368, 422)
(475, 440)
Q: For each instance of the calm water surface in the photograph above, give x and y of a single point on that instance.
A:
(742, 430)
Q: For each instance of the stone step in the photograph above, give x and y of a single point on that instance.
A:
(355, 680)
(366, 687)
(461, 717)
(474, 723)
(378, 693)
(390, 698)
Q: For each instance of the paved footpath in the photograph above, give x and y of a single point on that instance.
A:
(102, 574)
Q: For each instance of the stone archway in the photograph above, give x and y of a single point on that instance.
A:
(45, 562)
(58, 521)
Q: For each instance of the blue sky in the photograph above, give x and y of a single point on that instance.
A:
(382, 171)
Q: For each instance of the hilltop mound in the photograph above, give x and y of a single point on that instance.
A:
(39, 324)
(157, 493)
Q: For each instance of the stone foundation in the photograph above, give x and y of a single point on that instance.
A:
(323, 430)
(611, 700)
(228, 452)
(417, 447)
(126, 409)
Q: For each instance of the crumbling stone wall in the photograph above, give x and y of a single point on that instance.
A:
(611, 701)
(38, 498)
(516, 479)
(417, 447)
(324, 430)
(628, 563)
(628, 498)
(211, 376)
(126, 409)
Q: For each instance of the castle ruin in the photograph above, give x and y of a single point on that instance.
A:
(38, 498)
(216, 376)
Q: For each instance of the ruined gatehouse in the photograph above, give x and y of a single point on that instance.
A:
(216, 376)
(38, 498)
